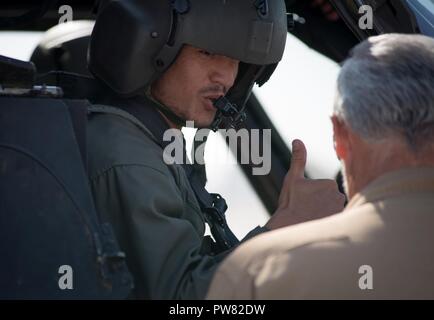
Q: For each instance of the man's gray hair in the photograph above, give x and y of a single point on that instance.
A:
(386, 88)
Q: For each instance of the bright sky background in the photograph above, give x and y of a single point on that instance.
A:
(298, 99)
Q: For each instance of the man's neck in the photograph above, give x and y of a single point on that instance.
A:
(364, 172)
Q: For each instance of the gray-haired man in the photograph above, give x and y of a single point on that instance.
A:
(381, 246)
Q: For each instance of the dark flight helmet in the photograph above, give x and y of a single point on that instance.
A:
(135, 41)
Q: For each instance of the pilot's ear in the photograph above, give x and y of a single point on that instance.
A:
(340, 137)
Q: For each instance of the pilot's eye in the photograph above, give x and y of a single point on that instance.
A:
(204, 52)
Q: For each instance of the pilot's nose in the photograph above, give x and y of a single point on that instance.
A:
(225, 71)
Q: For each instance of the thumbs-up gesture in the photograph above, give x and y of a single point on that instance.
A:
(303, 199)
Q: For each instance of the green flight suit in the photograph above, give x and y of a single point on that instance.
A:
(152, 207)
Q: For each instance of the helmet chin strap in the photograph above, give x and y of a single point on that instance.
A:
(169, 114)
(172, 116)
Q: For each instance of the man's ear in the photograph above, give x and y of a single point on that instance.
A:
(340, 137)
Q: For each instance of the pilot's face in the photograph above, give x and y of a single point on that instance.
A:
(194, 80)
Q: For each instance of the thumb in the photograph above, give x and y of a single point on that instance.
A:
(298, 160)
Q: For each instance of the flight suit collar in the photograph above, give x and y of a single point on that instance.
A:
(144, 109)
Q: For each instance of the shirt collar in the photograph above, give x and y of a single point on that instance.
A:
(396, 183)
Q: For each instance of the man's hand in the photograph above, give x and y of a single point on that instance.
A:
(302, 199)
